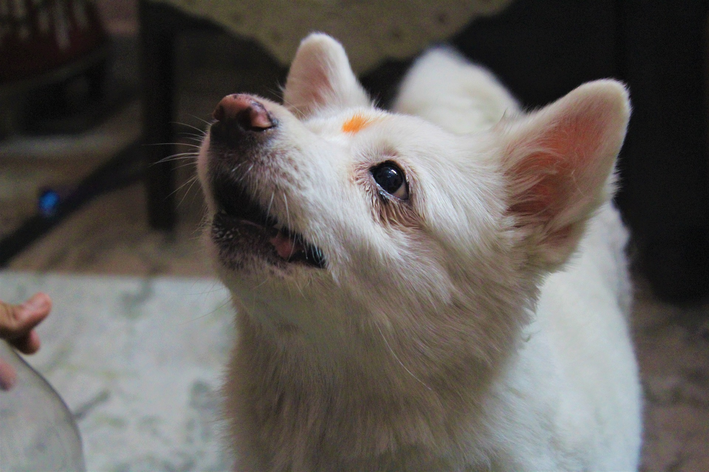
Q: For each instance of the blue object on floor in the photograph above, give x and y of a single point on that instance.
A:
(48, 202)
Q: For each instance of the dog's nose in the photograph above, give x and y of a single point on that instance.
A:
(247, 112)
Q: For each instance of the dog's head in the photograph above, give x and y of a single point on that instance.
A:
(330, 217)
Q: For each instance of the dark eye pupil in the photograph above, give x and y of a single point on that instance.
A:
(389, 177)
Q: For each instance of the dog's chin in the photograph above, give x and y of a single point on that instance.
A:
(244, 245)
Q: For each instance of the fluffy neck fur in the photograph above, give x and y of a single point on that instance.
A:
(368, 396)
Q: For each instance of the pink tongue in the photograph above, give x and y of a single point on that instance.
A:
(285, 246)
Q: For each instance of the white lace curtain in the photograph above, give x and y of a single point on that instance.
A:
(370, 30)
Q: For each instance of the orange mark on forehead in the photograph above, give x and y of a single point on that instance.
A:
(356, 124)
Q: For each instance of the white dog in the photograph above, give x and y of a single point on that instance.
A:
(445, 292)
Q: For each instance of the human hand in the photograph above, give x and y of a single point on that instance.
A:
(17, 323)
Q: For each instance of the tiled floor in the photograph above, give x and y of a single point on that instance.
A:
(110, 236)
(137, 360)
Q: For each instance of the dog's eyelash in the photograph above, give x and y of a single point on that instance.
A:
(388, 209)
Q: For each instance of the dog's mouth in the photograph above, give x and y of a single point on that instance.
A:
(239, 215)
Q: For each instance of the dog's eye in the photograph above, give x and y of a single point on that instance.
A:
(391, 179)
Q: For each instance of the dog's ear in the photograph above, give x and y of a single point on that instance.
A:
(559, 163)
(320, 77)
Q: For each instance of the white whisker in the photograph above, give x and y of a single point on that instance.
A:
(399, 360)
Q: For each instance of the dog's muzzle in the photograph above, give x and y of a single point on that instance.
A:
(242, 130)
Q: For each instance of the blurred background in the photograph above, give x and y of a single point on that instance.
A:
(95, 97)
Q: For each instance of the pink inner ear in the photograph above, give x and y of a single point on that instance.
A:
(561, 167)
(538, 199)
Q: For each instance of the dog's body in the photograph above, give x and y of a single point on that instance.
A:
(423, 297)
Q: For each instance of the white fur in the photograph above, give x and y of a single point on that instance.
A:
(480, 325)
(445, 89)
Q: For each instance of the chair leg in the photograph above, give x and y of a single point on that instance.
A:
(157, 48)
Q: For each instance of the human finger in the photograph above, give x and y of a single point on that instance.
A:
(26, 344)
(17, 321)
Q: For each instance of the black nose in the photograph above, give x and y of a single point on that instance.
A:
(245, 111)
